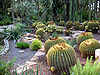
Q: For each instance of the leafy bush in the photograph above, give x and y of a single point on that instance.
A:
(6, 66)
(87, 69)
(36, 44)
(22, 45)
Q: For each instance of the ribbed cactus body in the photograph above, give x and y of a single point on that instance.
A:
(88, 47)
(52, 41)
(84, 36)
(61, 56)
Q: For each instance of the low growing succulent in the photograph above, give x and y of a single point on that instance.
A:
(36, 44)
(67, 32)
(22, 45)
(59, 29)
(76, 25)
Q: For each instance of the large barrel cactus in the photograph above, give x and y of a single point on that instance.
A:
(93, 26)
(60, 57)
(84, 36)
(88, 47)
(52, 41)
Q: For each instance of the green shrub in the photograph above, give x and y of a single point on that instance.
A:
(87, 69)
(36, 44)
(6, 66)
(22, 45)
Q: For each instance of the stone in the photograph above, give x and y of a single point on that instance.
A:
(34, 58)
(29, 63)
(97, 53)
(39, 54)
(21, 51)
(22, 68)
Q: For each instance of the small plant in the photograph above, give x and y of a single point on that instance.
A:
(51, 28)
(50, 22)
(41, 26)
(55, 34)
(6, 66)
(59, 29)
(36, 44)
(87, 69)
(22, 45)
(76, 25)
(67, 32)
(82, 27)
(61, 23)
(69, 24)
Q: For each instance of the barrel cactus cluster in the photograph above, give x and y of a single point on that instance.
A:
(69, 24)
(59, 29)
(60, 57)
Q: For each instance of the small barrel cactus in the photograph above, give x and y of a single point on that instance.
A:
(69, 24)
(61, 23)
(76, 25)
(51, 28)
(60, 57)
(82, 27)
(59, 29)
(52, 41)
(88, 47)
(67, 32)
(50, 22)
(85, 23)
(40, 32)
(41, 26)
(93, 26)
(84, 36)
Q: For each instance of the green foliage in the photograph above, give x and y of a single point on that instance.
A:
(55, 34)
(76, 25)
(52, 41)
(84, 36)
(88, 47)
(5, 22)
(22, 45)
(87, 69)
(60, 57)
(14, 33)
(36, 44)
(6, 66)
(72, 42)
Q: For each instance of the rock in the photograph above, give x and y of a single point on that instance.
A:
(34, 58)
(21, 51)
(66, 37)
(22, 68)
(29, 63)
(97, 53)
(39, 54)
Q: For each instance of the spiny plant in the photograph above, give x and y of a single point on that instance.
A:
(52, 41)
(88, 69)
(88, 47)
(84, 36)
(60, 57)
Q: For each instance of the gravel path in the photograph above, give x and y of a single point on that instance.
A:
(21, 58)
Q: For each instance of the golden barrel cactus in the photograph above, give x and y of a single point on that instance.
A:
(52, 41)
(60, 57)
(84, 36)
(88, 47)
